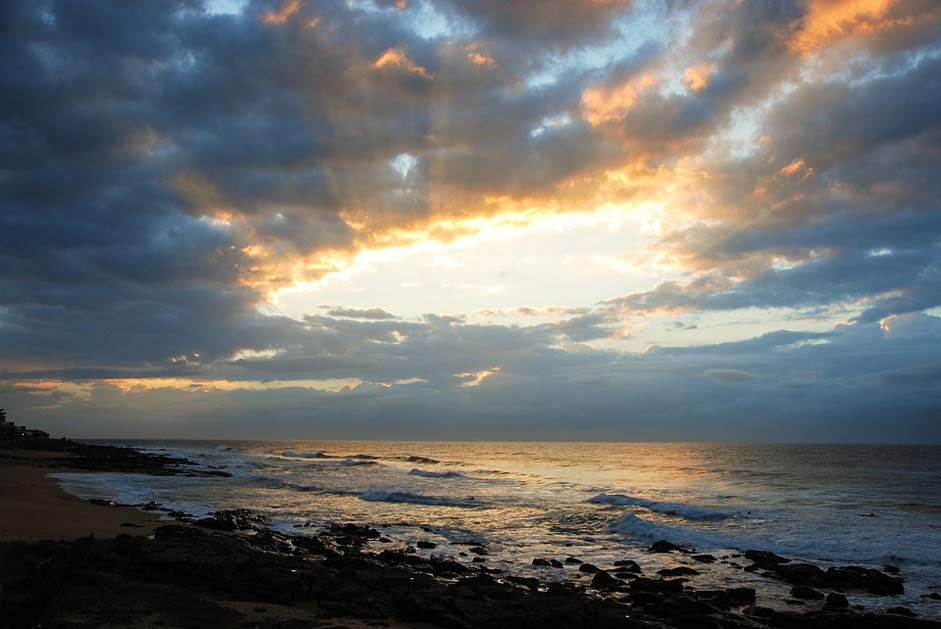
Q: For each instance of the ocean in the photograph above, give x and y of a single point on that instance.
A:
(600, 502)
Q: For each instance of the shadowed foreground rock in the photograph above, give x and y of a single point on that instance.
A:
(210, 575)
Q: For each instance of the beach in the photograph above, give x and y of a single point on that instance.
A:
(106, 564)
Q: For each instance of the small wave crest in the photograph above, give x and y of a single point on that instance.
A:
(304, 455)
(431, 474)
(422, 460)
(686, 511)
(410, 498)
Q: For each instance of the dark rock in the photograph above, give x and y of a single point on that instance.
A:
(539, 561)
(679, 571)
(604, 581)
(426, 545)
(660, 586)
(131, 525)
(802, 574)
(758, 612)
(901, 611)
(573, 560)
(478, 550)
(589, 568)
(555, 563)
(868, 579)
(628, 565)
(703, 558)
(807, 593)
(933, 596)
(528, 582)
(765, 559)
(664, 546)
(837, 600)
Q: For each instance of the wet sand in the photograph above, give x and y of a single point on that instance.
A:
(34, 507)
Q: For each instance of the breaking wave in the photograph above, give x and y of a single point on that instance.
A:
(430, 474)
(686, 511)
(410, 498)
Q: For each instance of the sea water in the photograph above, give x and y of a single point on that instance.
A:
(600, 502)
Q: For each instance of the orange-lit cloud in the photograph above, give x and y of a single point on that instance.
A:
(696, 77)
(396, 57)
(475, 378)
(282, 15)
(828, 21)
(477, 57)
(603, 104)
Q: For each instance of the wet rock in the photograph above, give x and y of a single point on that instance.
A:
(869, 579)
(478, 550)
(765, 559)
(664, 546)
(426, 545)
(555, 563)
(528, 582)
(933, 596)
(590, 568)
(836, 600)
(807, 593)
(660, 586)
(539, 561)
(679, 571)
(573, 560)
(901, 611)
(705, 558)
(756, 611)
(604, 581)
(628, 565)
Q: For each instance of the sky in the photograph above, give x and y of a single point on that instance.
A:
(443, 219)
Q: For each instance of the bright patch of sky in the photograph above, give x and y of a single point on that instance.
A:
(225, 7)
(647, 23)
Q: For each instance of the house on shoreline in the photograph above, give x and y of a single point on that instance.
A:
(9, 431)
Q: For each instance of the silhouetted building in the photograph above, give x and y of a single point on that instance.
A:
(10, 431)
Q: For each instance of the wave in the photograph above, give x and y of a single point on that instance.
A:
(645, 531)
(421, 459)
(686, 511)
(305, 455)
(410, 498)
(229, 449)
(430, 474)
(356, 462)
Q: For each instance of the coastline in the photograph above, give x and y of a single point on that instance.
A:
(230, 569)
(33, 506)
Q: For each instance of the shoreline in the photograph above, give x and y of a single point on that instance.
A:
(224, 568)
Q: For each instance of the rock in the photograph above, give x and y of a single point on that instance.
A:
(528, 582)
(628, 565)
(604, 581)
(589, 568)
(837, 600)
(664, 546)
(478, 560)
(131, 525)
(426, 545)
(901, 611)
(807, 593)
(478, 550)
(933, 596)
(555, 563)
(679, 571)
(573, 560)
(869, 579)
(765, 559)
(758, 612)
(802, 574)
(891, 569)
(660, 586)
(539, 561)
(703, 558)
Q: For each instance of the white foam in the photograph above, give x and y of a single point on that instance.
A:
(430, 474)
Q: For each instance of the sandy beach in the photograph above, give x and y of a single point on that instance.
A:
(34, 507)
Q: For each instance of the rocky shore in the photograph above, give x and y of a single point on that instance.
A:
(231, 569)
